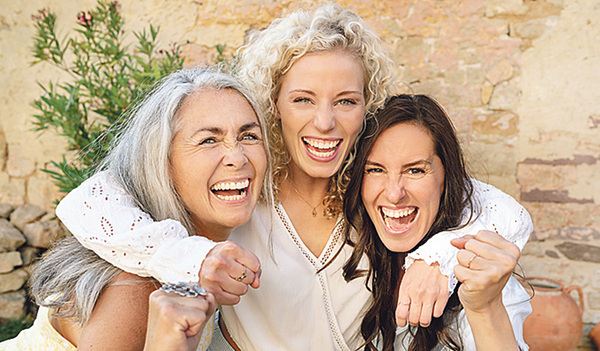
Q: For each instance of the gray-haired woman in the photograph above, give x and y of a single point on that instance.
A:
(192, 151)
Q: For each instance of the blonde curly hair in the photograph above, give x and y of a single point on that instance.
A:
(270, 53)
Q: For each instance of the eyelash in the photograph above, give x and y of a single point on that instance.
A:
(373, 170)
(301, 99)
(253, 136)
(347, 102)
(207, 141)
(416, 170)
(341, 102)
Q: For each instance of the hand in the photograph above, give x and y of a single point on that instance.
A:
(485, 263)
(176, 322)
(423, 293)
(227, 271)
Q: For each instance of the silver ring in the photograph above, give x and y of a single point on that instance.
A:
(405, 304)
(243, 276)
(471, 260)
(184, 289)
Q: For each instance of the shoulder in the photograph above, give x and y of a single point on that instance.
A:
(120, 316)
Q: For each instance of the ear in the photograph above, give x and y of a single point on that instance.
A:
(277, 113)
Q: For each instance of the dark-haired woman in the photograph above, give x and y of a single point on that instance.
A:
(399, 200)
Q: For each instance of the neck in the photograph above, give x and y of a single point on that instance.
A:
(312, 189)
(213, 233)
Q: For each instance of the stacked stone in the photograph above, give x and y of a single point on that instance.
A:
(25, 232)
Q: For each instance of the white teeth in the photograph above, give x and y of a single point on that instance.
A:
(322, 154)
(396, 213)
(322, 144)
(231, 185)
(231, 197)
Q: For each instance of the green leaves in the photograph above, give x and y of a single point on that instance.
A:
(105, 78)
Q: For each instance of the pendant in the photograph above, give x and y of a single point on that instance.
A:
(314, 212)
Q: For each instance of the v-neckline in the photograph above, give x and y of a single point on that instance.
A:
(334, 242)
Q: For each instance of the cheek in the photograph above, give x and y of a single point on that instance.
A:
(368, 193)
(355, 125)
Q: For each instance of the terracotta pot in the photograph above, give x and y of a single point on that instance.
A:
(595, 335)
(555, 323)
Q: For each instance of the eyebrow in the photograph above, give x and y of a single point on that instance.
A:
(248, 126)
(310, 92)
(219, 131)
(408, 165)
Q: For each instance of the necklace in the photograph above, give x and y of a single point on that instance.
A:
(314, 208)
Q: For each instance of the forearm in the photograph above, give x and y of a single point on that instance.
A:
(492, 329)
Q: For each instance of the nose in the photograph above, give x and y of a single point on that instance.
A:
(324, 119)
(235, 156)
(395, 189)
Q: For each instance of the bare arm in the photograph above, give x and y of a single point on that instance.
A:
(486, 262)
(119, 319)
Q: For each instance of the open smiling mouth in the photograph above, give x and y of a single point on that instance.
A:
(231, 191)
(321, 148)
(399, 220)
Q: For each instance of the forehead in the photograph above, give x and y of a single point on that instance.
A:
(402, 141)
(347, 67)
(216, 107)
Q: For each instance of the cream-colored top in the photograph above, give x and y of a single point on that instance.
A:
(40, 336)
(300, 305)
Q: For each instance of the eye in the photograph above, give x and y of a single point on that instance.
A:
(302, 99)
(207, 141)
(373, 170)
(347, 102)
(416, 171)
(250, 137)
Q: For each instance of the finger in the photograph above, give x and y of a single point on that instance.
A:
(402, 313)
(460, 242)
(468, 259)
(440, 304)
(242, 277)
(226, 298)
(426, 313)
(248, 259)
(498, 241)
(414, 313)
(506, 255)
(256, 281)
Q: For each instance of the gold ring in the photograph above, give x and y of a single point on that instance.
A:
(243, 276)
(471, 260)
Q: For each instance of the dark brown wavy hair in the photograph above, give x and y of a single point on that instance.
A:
(384, 274)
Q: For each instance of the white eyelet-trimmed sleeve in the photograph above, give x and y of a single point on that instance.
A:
(106, 219)
(495, 211)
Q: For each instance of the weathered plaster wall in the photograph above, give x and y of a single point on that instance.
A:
(519, 77)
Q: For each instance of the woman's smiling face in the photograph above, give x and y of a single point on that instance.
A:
(321, 105)
(218, 160)
(403, 185)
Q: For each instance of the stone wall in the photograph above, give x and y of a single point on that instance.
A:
(519, 77)
(25, 232)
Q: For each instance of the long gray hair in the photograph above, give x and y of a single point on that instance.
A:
(70, 278)
(139, 157)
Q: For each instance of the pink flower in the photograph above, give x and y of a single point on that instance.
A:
(85, 18)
